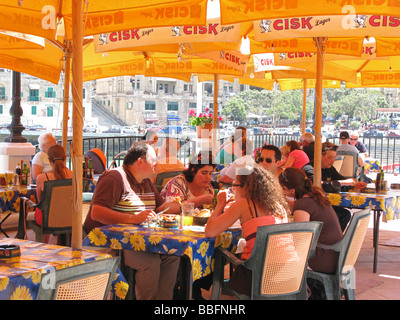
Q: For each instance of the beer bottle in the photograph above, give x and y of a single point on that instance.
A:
(17, 174)
(24, 176)
(215, 197)
(90, 170)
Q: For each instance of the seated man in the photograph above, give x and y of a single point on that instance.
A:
(329, 173)
(155, 273)
(345, 146)
(40, 162)
(307, 142)
(354, 141)
(270, 159)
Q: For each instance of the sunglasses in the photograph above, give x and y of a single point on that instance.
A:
(267, 160)
(353, 139)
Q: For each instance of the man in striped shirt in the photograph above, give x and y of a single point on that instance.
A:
(126, 195)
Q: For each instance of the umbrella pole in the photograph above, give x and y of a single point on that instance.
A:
(320, 43)
(77, 120)
(303, 121)
(215, 116)
(67, 71)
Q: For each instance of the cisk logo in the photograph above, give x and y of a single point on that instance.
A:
(263, 5)
(285, 24)
(294, 55)
(211, 28)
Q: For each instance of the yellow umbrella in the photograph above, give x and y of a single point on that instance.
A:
(40, 17)
(15, 40)
(233, 11)
(46, 63)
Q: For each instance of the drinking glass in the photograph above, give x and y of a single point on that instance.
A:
(187, 210)
(9, 178)
(152, 222)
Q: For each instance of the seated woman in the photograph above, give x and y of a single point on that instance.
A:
(58, 171)
(193, 185)
(259, 201)
(297, 157)
(311, 204)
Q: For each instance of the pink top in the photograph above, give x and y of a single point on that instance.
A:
(250, 227)
(301, 158)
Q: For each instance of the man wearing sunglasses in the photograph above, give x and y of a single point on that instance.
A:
(354, 141)
(270, 159)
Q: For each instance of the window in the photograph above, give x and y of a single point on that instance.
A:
(2, 93)
(33, 95)
(33, 110)
(149, 105)
(50, 93)
(50, 111)
(84, 93)
(192, 105)
(1, 109)
(173, 106)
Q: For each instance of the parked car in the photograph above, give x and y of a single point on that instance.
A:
(113, 129)
(35, 127)
(374, 133)
(130, 129)
(92, 128)
(171, 130)
(393, 134)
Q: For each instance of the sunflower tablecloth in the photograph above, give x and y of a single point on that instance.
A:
(20, 276)
(388, 203)
(372, 165)
(10, 198)
(190, 241)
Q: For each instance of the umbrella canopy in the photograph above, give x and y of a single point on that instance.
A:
(40, 17)
(233, 11)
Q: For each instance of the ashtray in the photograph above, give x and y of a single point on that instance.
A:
(9, 251)
(169, 221)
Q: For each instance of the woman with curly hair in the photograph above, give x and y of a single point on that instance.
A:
(259, 201)
(311, 204)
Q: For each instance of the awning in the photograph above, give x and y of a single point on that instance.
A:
(34, 86)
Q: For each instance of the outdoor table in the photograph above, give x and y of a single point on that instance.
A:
(20, 276)
(386, 203)
(372, 164)
(10, 201)
(189, 242)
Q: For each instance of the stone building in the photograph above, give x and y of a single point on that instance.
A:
(41, 101)
(155, 101)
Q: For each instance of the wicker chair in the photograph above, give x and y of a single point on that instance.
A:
(163, 178)
(278, 262)
(56, 207)
(88, 281)
(350, 167)
(349, 248)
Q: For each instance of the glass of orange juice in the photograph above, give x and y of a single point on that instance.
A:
(9, 178)
(187, 210)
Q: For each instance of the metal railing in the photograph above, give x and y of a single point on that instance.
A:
(384, 149)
